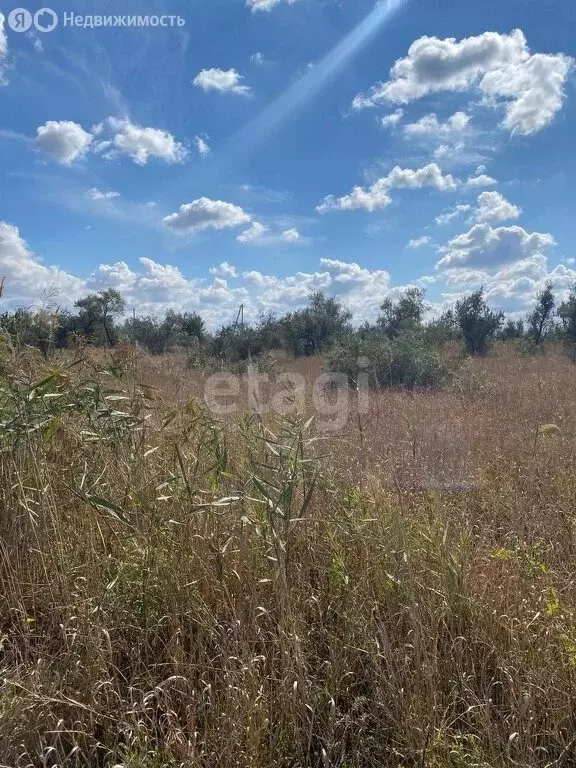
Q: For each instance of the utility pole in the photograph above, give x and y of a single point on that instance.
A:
(239, 318)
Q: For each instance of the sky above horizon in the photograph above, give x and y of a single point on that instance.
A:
(269, 148)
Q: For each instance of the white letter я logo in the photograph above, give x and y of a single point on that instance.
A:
(20, 20)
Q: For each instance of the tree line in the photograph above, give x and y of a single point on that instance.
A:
(400, 331)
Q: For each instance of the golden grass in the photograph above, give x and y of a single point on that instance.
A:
(180, 592)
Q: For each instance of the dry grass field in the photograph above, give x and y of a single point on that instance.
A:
(261, 592)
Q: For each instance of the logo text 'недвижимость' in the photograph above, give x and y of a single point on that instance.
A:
(46, 20)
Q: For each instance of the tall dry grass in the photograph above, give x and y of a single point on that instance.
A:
(180, 592)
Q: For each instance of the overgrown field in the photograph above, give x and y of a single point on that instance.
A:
(178, 590)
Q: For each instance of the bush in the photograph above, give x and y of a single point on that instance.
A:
(403, 362)
(478, 324)
(313, 329)
(567, 314)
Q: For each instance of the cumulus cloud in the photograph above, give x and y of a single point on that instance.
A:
(205, 213)
(64, 140)
(225, 270)
(153, 287)
(530, 87)
(265, 5)
(378, 194)
(137, 142)
(487, 248)
(117, 275)
(492, 206)
(222, 81)
(26, 279)
(259, 235)
(359, 289)
(430, 126)
(512, 287)
(480, 179)
(453, 213)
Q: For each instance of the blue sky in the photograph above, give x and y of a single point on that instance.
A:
(267, 148)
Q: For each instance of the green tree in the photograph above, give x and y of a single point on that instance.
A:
(236, 342)
(31, 328)
(541, 319)
(148, 333)
(442, 330)
(313, 329)
(513, 330)
(186, 328)
(567, 314)
(404, 315)
(477, 322)
(97, 313)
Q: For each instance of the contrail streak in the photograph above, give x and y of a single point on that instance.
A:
(298, 94)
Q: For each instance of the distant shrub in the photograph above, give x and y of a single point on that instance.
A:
(406, 361)
(177, 329)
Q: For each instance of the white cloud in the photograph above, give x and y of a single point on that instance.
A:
(480, 180)
(392, 120)
(377, 195)
(206, 214)
(3, 38)
(221, 80)
(447, 216)
(117, 275)
(420, 242)
(202, 146)
(492, 206)
(265, 5)
(96, 194)
(361, 290)
(259, 235)
(513, 287)
(445, 152)
(153, 288)
(529, 86)
(64, 140)
(225, 270)
(26, 279)
(138, 142)
(258, 58)
(486, 248)
(3, 50)
(511, 282)
(430, 126)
